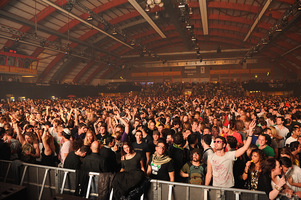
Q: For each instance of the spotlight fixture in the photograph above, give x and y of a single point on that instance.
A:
(114, 32)
(68, 7)
(181, 5)
(219, 49)
(150, 4)
(133, 43)
(156, 16)
(90, 18)
(190, 11)
(189, 27)
(278, 28)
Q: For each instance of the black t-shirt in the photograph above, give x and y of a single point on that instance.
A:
(161, 172)
(141, 149)
(109, 157)
(147, 139)
(264, 183)
(101, 138)
(72, 161)
(94, 163)
(132, 164)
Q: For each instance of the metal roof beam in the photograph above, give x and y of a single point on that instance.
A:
(204, 17)
(45, 29)
(146, 17)
(85, 22)
(265, 7)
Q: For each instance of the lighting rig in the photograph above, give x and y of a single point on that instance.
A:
(279, 26)
(116, 31)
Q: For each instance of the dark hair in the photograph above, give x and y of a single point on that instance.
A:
(207, 128)
(130, 146)
(294, 128)
(222, 138)
(178, 139)
(239, 125)
(77, 143)
(155, 132)
(65, 135)
(281, 117)
(192, 138)
(286, 162)
(85, 149)
(108, 139)
(294, 145)
(232, 141)
(198, 151)
(268, 165)
(207, 139)
(261, 155)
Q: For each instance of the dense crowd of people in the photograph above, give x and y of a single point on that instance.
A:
(216, 136)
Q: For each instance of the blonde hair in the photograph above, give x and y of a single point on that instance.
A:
(273, 130)
(86, 142)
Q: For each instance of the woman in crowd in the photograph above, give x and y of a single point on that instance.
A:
(253, 169)
(89, 138)
(130, 160)
(269, 180)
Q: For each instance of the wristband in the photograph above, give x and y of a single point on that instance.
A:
(250, 135)
(278, 188)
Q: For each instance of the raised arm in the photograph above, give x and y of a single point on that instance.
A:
(17, 130)
(244, 148)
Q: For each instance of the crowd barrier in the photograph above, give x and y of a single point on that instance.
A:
(45, 182)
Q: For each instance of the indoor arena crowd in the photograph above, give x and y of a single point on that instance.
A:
(214, 136)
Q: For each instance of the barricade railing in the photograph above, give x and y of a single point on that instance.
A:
(158, 189)
(56, 181)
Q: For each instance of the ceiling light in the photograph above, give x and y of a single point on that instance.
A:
(149, 2)
(278, 29)
(68, 7)
(114, 31)
(161, 4)
(133, 43)
(156, 16)
(190, 11)
(147, 8)
(181, 5)
(157, 1)
(90, 18)
(152, 6)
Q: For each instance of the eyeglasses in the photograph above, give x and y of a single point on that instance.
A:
(161, 147)
(217, 141)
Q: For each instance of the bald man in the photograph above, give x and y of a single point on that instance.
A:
(93, 162)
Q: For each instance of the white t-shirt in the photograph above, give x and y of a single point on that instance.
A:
(283, 133)
(290, 140)
(66, 148)
(222, 169)
(296, 174)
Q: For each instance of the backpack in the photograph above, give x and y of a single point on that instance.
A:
(196, 174)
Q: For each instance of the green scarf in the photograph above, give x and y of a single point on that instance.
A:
(160, 160)
(177, 146)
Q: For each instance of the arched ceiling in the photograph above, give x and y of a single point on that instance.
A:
(71, 47)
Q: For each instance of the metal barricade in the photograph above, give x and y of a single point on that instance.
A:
(38, 178)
